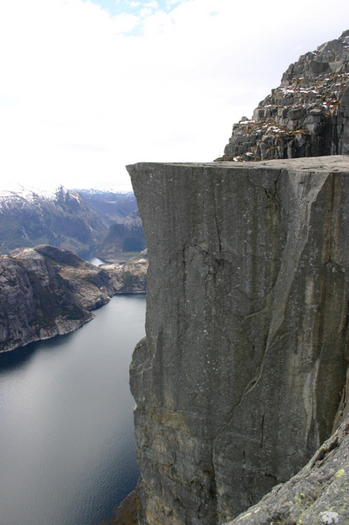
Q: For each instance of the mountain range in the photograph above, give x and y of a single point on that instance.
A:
(77, 220)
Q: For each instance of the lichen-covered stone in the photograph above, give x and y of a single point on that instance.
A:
(239, 378)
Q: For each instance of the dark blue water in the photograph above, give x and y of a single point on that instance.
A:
(66, 423)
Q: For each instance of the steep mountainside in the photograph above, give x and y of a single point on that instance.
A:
(80, 221)
(306, 116)
(45, 291)
(238, 380)
(114, 206)
(123, 239)
(62, 219)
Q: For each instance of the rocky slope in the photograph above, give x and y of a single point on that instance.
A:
(123, 240)
(306, 116)
(238, 380)
(45, 291)
(129, 277)
(113, 206)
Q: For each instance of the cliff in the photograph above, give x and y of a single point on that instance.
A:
(238, 380)
(47, 291)
(306, 116)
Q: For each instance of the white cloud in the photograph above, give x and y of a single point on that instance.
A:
(79, 98)
(134, 4)
(124, 23)
(146, 12)
(173, 2)
(153, 4)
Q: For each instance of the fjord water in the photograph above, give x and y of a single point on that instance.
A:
(66, 423)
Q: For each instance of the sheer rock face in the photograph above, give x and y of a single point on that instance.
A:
(306, 116)
(239, 378)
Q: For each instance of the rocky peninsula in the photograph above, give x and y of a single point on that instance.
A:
(47, 291)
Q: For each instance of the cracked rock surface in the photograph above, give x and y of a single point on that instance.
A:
(240, 376)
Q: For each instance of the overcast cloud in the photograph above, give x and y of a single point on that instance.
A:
(89, 87)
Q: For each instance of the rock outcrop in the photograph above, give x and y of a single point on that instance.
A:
(318, 495)
(306, 116)
(238, 380)
(47, 291)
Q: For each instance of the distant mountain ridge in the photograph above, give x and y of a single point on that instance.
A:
(306, 116)
(114, 206)
(61, 218)
(126, 237)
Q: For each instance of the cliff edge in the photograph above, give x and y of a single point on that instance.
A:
(239, 379)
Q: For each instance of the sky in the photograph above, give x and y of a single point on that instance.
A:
(89, 86)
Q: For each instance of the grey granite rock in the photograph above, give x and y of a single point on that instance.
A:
(318, 495)
(306, 116)
(238, 380)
